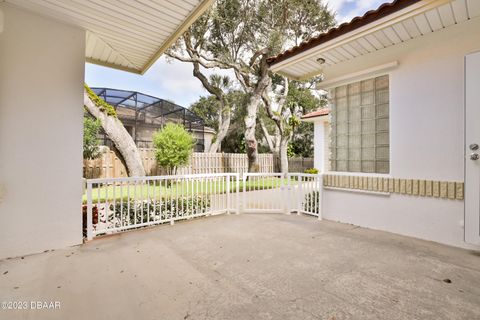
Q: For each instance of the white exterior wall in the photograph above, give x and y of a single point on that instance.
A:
(319, 145)
(321, 139)
(426, 135)
(41, 125)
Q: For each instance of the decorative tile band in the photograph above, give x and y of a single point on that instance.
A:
(414, 187)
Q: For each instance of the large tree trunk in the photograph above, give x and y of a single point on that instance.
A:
(273, 142)
(283, 154)
(223, 125)
(250, 139)
(120, 137)
(251, 117)
(282, 133)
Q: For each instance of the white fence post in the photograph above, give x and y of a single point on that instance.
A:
(89, 212)
(237, 192)
(228, 194)
(320, 200)
(286, 189)
(244, 193)
(300, 193)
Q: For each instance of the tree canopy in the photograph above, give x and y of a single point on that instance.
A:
(240, 35)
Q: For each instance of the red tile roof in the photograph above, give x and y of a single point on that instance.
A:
(356, 23)
(318, 113)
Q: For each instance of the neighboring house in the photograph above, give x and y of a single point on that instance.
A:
(142, 115)
(399, 148)
(43, 48)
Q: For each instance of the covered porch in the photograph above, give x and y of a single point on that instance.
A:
(248, 266)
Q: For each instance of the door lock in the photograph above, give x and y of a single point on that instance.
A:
(474, 156)
(473, 146)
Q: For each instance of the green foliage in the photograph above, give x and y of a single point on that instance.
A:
(91, 128)
(234, 142)
(311, 171)
(173, 145)
(207, 109)
(312, 202)
(100, 103)
(301, 144)
(299, 94)
(238, 28)
(302, 141)
(290, 151)
(135, 212)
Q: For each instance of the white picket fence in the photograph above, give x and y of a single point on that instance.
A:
(118, 204)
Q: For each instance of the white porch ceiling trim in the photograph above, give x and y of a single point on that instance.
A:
(414, 21)
(125, 35)
(357, 76)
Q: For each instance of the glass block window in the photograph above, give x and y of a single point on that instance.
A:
(360, 127)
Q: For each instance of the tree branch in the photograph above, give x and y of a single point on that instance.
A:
(283, 98)
(268, 105)
(257, 54)
(266, 134)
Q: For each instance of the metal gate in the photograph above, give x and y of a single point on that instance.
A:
(284, 193)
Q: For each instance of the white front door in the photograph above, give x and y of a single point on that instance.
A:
(472, 148)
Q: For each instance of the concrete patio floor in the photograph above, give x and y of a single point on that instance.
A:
(249, 266)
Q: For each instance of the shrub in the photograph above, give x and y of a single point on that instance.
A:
(84, 216)
(173, 145)
(142, 211)
(91, 127)
(311, 171)
(312, 202)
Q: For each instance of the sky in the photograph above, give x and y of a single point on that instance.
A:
(173, 80)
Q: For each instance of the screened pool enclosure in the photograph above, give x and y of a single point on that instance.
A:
(142, 115)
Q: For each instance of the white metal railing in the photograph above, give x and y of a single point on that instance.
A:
(119, 204)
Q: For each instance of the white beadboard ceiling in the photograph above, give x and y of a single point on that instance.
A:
(123, 34)
(439, 15)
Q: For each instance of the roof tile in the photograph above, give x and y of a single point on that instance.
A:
(373, 15)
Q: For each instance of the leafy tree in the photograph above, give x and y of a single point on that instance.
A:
(284, 114)
(174, 146)
(219, 106)
(240, 35)
(302, 140)
(301, 144)
(91, 144)
(207, 109)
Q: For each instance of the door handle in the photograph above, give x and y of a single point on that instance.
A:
(474, 156)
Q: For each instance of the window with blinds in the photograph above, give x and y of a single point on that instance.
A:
(360, 127)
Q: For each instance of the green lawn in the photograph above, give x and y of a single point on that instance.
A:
(155, 191)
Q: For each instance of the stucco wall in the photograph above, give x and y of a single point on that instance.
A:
(321, 137)
(426, 135)
(41, 99)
